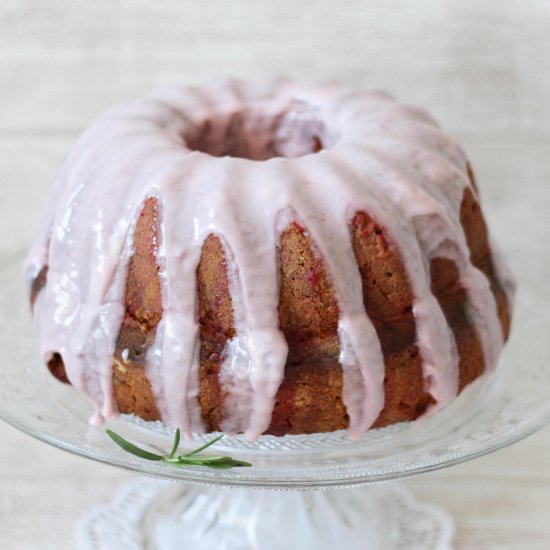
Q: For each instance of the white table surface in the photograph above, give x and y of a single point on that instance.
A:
(484, 72)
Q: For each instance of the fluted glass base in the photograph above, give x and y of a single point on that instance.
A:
(151, 514)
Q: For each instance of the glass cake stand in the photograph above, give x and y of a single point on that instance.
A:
(209, 512)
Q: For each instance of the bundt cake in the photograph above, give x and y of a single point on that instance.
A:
(267, 258)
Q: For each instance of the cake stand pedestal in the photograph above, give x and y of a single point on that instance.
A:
(153, 514)
(491, 413)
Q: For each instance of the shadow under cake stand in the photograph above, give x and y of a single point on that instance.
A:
(225, 510)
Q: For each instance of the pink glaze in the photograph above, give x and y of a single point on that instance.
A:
(379, 156)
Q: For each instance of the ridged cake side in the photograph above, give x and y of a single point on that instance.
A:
(310, 397)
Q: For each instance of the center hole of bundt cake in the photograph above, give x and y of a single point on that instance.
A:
(257, 133)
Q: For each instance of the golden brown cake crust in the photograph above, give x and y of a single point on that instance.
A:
(310, 398)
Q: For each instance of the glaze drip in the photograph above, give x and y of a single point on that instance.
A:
(242, 162)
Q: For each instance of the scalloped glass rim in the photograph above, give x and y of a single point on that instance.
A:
(490, 414)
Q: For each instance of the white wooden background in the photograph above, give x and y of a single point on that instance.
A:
(483, 69)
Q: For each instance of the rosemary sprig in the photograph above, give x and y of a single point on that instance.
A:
(192, 458)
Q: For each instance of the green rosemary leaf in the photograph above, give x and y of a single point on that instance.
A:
(176, 443)
(208, 461)
(204, 458)
(227, 465)
(131, 448)
(190, 459)
(205, 446)
(173, 460)
(228, 461)
(241, 463)
(183, 459)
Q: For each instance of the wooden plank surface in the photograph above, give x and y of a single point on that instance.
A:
(481, 66)
(483, 69)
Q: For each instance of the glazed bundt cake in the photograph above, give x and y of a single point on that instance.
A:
(267, 258)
